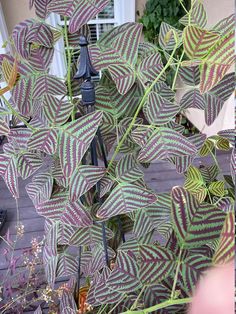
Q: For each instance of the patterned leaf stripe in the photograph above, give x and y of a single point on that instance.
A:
(156, 264)
(40, 190)
(123, 199)
(28, 164)
(22, 94)
(226, 249)
(83, 179)
(194, 224)
(67, 303)
(164, 90)
(118, 54)
(159, 110)
(128, 170)
(207, 148)
(217, 96)
(210, 173)
(41, 8)
(193, 99)
(226, 25)
(198, 16)
(233, 165)
(153, 215)
(9, 174)
(124, 277)
(75, 140)
(182, 163)
(197, 41)
(217, 62)
(48, 84)
(4, 128)
(40, 34)
(56, 110)
(19, 137)
(190, 75)
(229, 135)
(167, 38)
(41, 58)
(102, 292)
(106, 185)
(67, 265)
(166, 143)
(194, 183)
(150, 68)
(192, 268)
(76, 214)
(53, 208)
(217, 188)
(89, 236)
(44, 140)
(134, 243)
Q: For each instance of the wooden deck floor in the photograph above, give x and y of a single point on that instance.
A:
(160, 176)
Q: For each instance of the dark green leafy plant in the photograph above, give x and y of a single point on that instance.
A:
(136, 111)
(156, 11)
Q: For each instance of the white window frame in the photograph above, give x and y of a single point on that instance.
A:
(124, 12)
(3, 38)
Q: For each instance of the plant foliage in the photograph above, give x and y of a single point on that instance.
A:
(135, 248)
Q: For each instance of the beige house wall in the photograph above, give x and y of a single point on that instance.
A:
(18, 10)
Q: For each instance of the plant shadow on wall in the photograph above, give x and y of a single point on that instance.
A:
(136, 111)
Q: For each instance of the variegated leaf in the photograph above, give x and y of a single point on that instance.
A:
(217, 188)
(83, 179)
(225, 250)
(209, 173)
(149, 218)
(167, 38)
(217, 96)
(190, 75)
(8, 172)
(195, 184)
(41, 58)
(198, 41)
(40, 190)
(89, 236)
(193, 223)
(75, 139)
(217, 62)
(229, 135)
(128, 170)
(48, 84)
(233, 165)
(125, 198)
(41, 7)
(150, 68)
(67, 265)
(22, 95)
(76, 214)
(44, 140)
(197, 16)
(192, 268)
(165, 143)
(102, 292)
(28, 163)
(156, 264)
(4, 128)
(226, 25)
(40, 34)
(56, 110)
(53, 208)
(193, 99)
(159, 110)
(124, 277)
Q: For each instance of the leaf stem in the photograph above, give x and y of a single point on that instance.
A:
(134, 306)
(15, 113)
(177, 70)
(147, 92)
(161, 306)
(172, 296)
(68, 53)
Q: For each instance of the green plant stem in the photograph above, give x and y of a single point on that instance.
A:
(15, 113)
(134, 306)
(215, 159)
(181, 3)
(68, 53)
(147, 92)
(172, 296)
(161, 306)
(177, 70)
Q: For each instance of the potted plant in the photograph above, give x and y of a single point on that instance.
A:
(103, 223)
